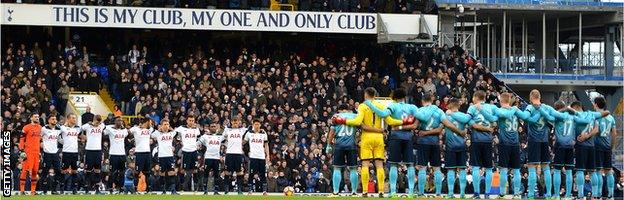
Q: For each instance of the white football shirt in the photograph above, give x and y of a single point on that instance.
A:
(165, 143)
(141, 139)
(212, 144)
(70, 138)
(188, 136)
(256, 144)
(234, 137)
(94, 136)
(50, 138)
(117, 139)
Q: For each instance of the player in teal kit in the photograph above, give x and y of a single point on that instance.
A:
(343, 139)
(564, 146)
(455, 154)
(604, 143)
(538, 149)
(400, 145)
(509, 147)
(431, 118)
(481, 137)
(584, 147)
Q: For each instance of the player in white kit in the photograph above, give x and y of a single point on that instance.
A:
(212, 142)
(69, 133)
(51, 161)
(258, 155)
(188, 136)
(164, 136)
(116, 153)
(234, 154)
(93, 154)
(142, 150)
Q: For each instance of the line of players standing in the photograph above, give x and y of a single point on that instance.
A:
(70, 134)
(583, 142)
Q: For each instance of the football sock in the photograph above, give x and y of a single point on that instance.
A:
(411, 179)
(438, 181)
(532, 182)
(381, 179)
(365, 177)
(580, 181)
(476, 179)
(556, 182)
(450, 177)
(353, 175)
(462, 182)
(488, 180)
(610, 183)
(517, 184)
(422, 179)
(547, 180)
(336, 180)
(569, 182)
(393, 178)
(503, 181)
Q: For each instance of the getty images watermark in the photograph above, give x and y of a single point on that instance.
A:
(7, 176)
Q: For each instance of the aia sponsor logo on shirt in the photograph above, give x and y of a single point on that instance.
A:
(51, 137)
(235, 136)
(214, 142)
(256, 140)
(190, 136)
(166, 138)
(145, 132)
(119, 137)
(73, 133)
(96, 131)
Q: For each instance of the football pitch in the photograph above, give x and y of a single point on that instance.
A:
(272, 196)
(169, 197)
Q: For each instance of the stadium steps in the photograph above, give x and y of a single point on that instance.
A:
(107, 98)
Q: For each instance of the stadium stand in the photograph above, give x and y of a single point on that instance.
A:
(291, 82)
(293, 90)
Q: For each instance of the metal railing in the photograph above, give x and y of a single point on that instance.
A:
(565, 68)
(535, 2)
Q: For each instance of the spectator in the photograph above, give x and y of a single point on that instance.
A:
(87, 116)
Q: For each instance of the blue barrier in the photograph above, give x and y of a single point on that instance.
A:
(534, 2)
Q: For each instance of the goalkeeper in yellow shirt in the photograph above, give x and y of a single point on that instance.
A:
(372, 145)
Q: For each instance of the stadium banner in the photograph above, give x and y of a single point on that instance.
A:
(199, 19)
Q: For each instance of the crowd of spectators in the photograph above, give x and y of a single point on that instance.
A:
(293, 93)
(371, 6)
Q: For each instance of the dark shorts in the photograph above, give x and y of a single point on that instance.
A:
(400, 151)
(143, 162)
(429, 154)
(70, 160)
(51, 161)
(233, 162)
(212, 165)
(481, 155)
(257, 166)
(455, 159)
(603, 159)
(538, 152)
(345, 157)
(166, 163)
(189, 160)
(509, 156)
(117, 162)
(584, 158)
(93, 159)
(564, 157)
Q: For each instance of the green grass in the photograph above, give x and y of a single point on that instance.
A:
(164, 197)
